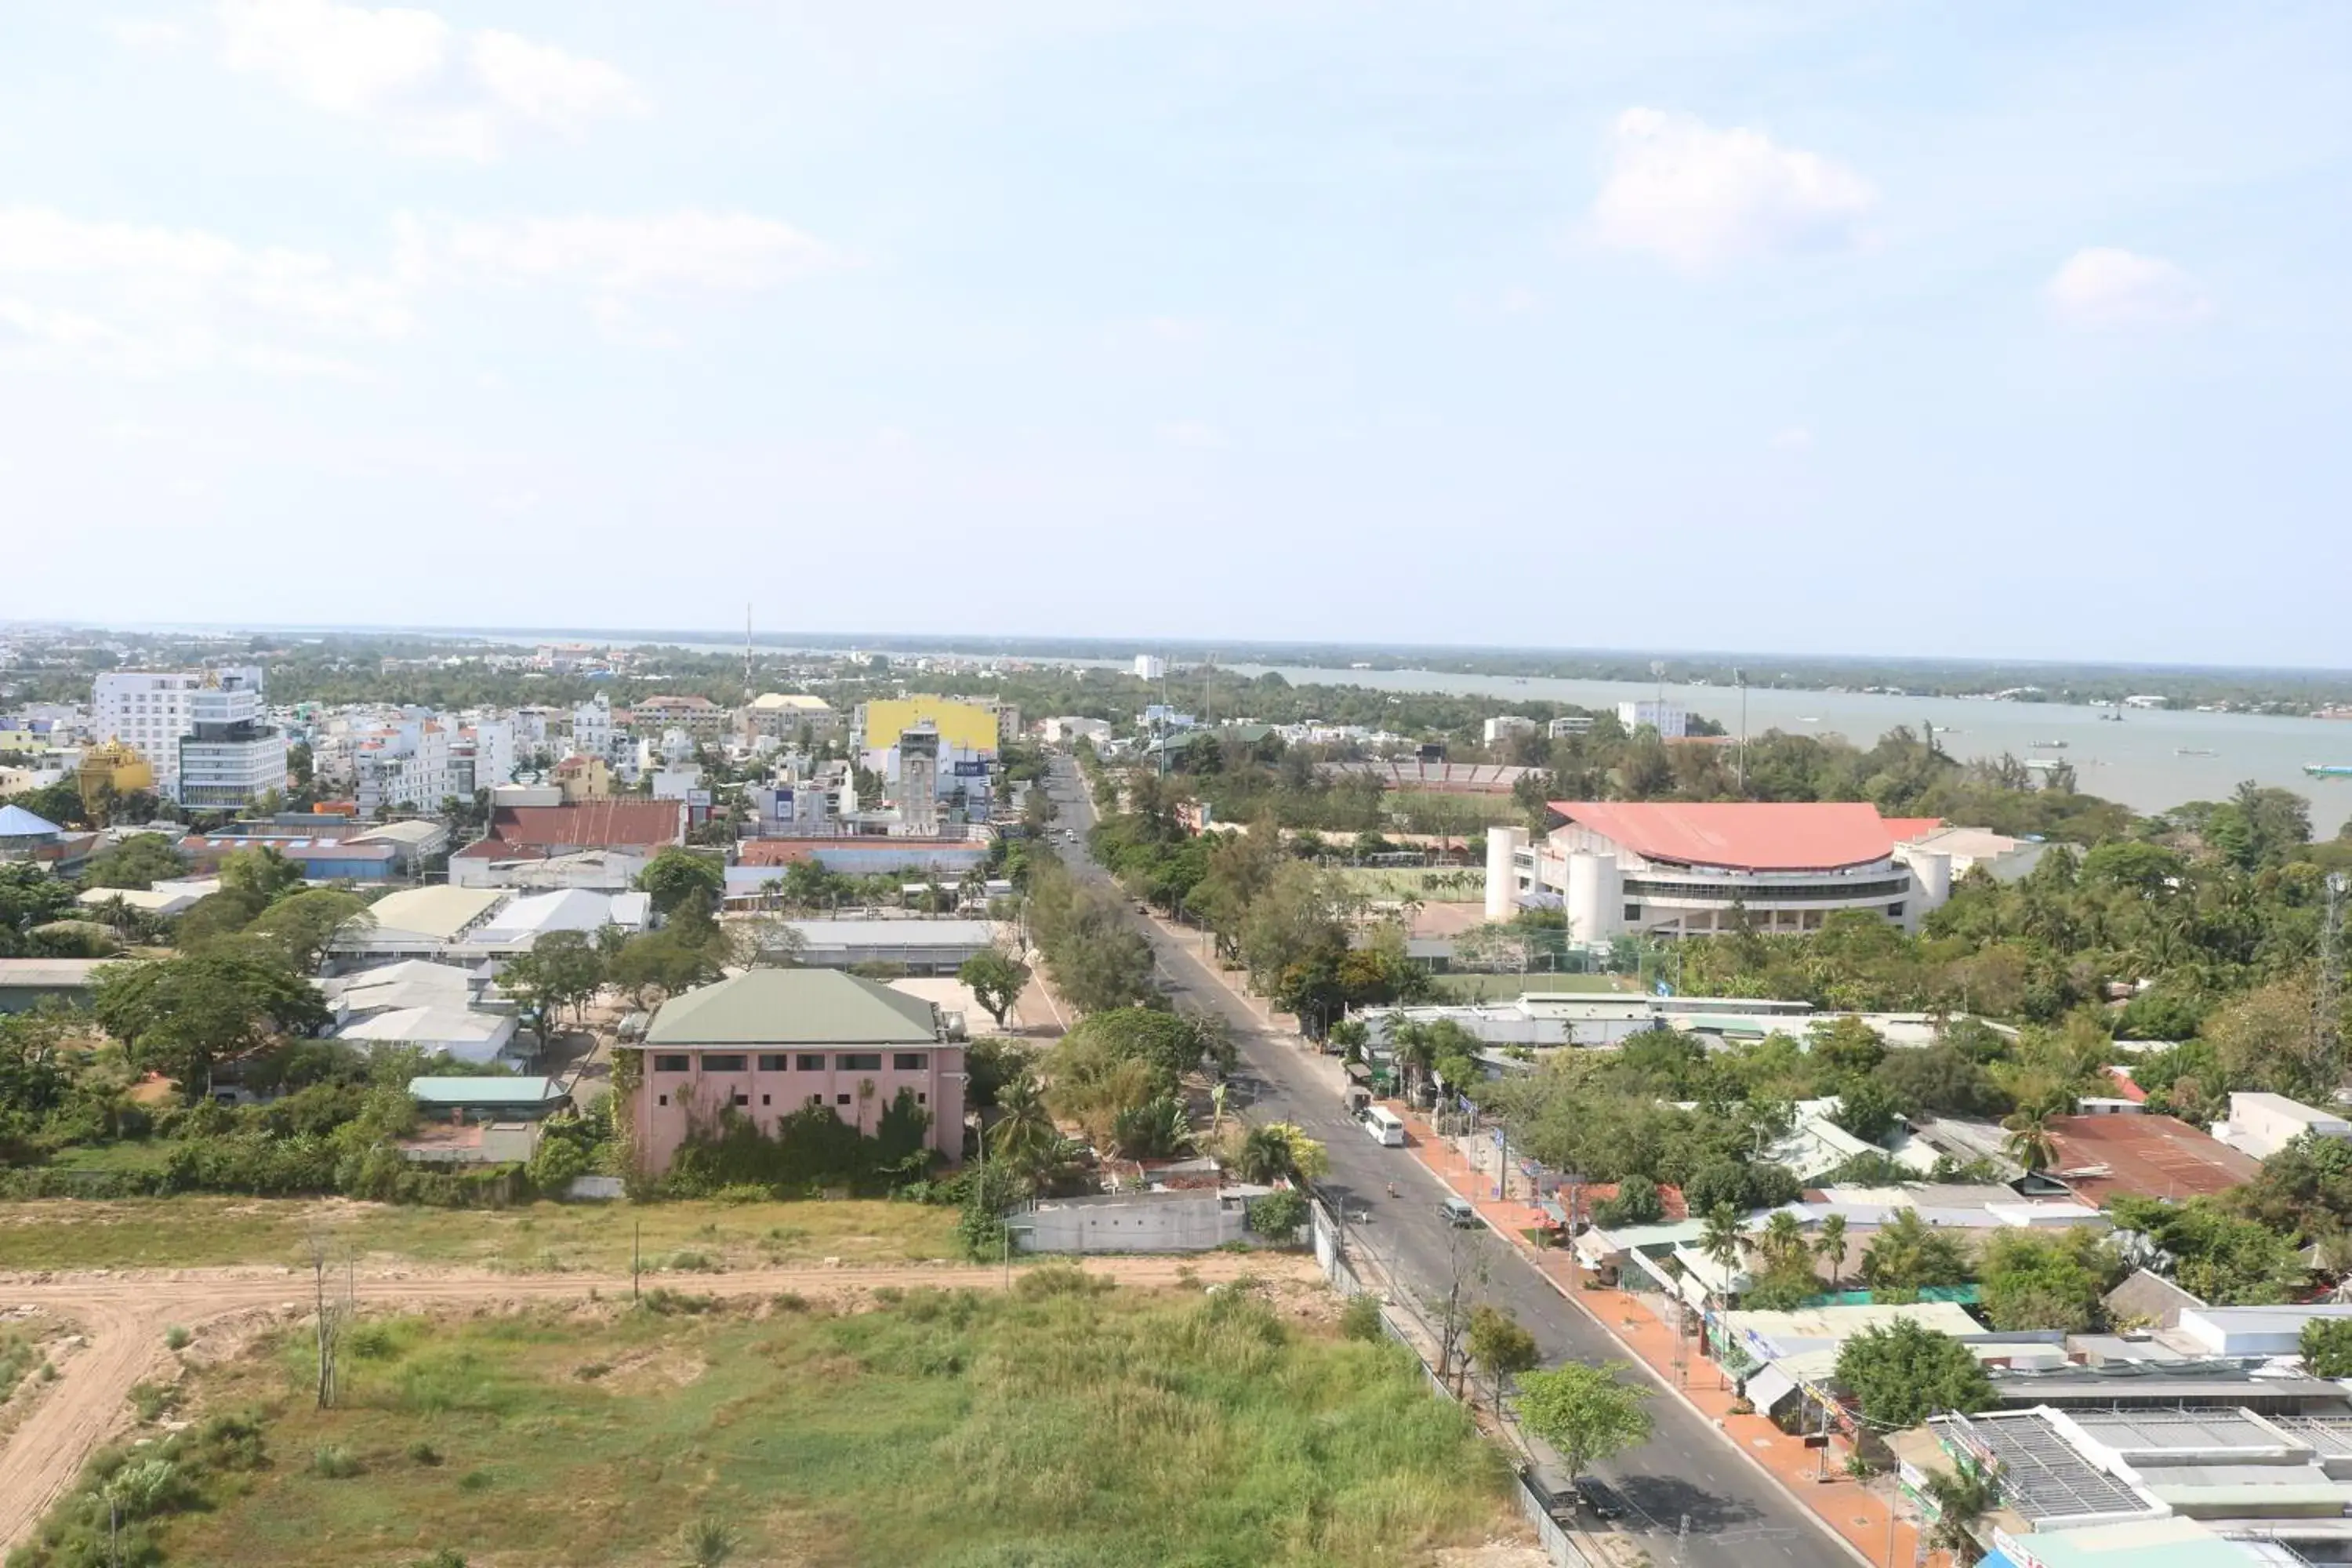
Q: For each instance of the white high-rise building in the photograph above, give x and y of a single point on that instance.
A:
(591, 729)
(1150, 667)
(231, 756)
(404, 765)
(153, 712)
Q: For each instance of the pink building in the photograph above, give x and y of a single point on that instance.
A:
(771, 1041)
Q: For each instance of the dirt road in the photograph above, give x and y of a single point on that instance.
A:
(124, 1314)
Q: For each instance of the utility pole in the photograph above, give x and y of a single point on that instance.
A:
(1741, 676)
(636, 1258)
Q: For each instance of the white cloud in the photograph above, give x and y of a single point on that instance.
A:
(149, 299)
(1193, 436)
(690, 249)
(1794, 438)
(548, 86)
(1701, 198)
(146, 300)
(435, 91)
(144, 32)
(2106, 289)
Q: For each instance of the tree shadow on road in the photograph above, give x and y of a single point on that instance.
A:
(1666, 1499)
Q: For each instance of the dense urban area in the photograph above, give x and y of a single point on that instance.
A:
(552, 1102)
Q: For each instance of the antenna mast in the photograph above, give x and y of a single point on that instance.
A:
(747, 653)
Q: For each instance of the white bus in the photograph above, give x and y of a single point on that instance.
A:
(1384, 1127)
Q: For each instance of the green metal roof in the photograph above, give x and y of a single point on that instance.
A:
(794, 1007)
(483, 1090)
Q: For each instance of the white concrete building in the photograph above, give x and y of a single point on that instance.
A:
(1070, 730)
(154, 711)
(404, 764)
(1667, 868)
(1671, 722)
(2262, 1124)
(1150, 667)
(1507, 726)
(591, 727)
(231, 756)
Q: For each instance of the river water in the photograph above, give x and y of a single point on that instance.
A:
(2141, 761)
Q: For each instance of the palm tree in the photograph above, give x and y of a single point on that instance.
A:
(1720, 1244)
(2030, 1142)
(1783, 1240)
(1279, 1149)
(1832, 1244)
(1961, 1500)
(1025, 1136)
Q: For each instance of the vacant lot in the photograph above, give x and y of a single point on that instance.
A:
(1065, 1424)
(193, 1231)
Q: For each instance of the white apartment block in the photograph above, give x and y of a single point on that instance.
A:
(156, 712)
(1150, 667)
(406, 764)
(1671, 722)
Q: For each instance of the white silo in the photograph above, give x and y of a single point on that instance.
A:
(1502, 874)
(1931, 881)
(1595, 896)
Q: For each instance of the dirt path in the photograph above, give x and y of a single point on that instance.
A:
(125, 1313)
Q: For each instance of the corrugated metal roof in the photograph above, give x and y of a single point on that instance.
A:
(484, 1090)
(794, 1006)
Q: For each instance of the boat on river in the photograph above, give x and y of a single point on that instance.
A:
(2328, 769)
(2047, 745)
(2194, 752)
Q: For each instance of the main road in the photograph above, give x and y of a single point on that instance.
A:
(1696, 1502)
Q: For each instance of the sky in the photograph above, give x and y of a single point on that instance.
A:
(1988, 328)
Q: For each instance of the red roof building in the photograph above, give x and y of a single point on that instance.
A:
(1749, 835)
(2138, 1155)
(618, 833)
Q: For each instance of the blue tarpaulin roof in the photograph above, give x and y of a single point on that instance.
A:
(15, 822)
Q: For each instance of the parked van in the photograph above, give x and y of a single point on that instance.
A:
(1384, 1127)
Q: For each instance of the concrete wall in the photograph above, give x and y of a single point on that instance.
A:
(1144, 1221)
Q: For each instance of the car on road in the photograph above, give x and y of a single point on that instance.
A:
(1458, 1211)
(1599, 1498)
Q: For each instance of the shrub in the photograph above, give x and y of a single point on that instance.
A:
(424, 1453)
(1360, 1317)
(474, 1481)
(691, 1262)
(448, 1557)
(589, 1371)
(333, 1462)
(1279, 1215)
(789, 1301)
(153, 1399)
(176, 1338)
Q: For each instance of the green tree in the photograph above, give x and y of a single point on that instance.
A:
(2031, 1141)
(140, 861)
(561, 969)
(1907, 1256)
(1830, 1244)
(261, 875)
(1866, 1109)
(1025, 1139)
(1720, 1244)
(180, 1016)
(1273, 1149)
(1901, 1374)
(1498, 1343)
(996, 980)
(2327, 1347)
(676, 877)
(1585, 1413)
(301, 924)
(1962, 1498)
(2033, 1280)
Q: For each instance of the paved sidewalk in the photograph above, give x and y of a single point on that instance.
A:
(1859, 1515)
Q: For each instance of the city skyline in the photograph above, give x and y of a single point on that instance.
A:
(1840, 326)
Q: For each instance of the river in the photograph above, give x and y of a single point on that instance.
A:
(2143, 762)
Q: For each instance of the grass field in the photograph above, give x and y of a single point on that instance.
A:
(1503, 987)
(193, 1231)
(1065, 1424)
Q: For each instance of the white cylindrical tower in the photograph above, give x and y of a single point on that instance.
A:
(1502, 874)
(1595, 891)
(1931, 879)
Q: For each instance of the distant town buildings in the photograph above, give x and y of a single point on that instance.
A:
(203, 733)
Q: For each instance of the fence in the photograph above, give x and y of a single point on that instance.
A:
(1331, 1254)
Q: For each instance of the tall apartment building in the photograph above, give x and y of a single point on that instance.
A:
(155, 713)
(231, 755)
(406, 764)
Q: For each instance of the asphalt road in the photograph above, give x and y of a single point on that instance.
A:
(1693, 1500)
